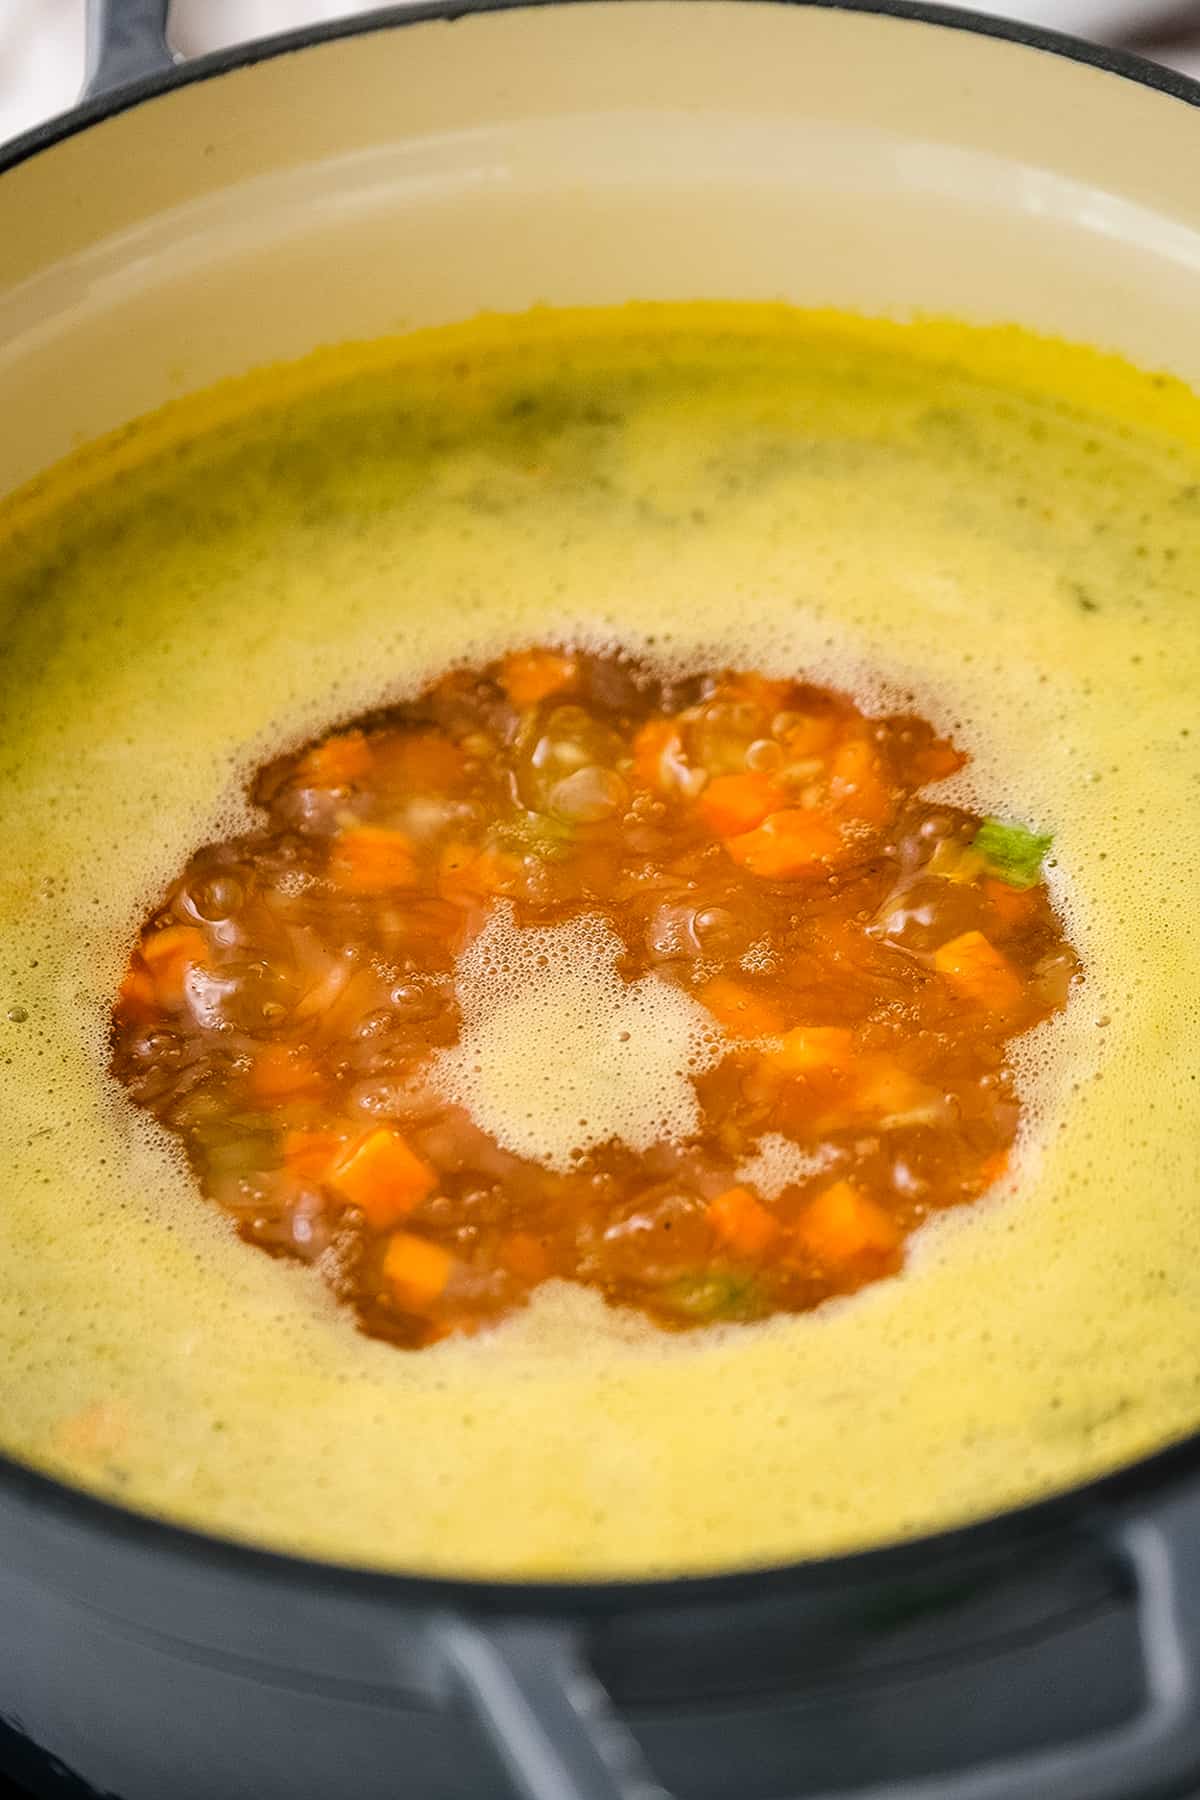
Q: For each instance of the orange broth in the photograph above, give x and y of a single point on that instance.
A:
(864, 956)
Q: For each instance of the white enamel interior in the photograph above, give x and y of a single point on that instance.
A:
(587, 153)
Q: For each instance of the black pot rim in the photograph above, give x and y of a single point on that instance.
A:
(1090, 1505)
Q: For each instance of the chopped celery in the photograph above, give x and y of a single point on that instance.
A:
(536, 834)
(709, 1294)
(1012, 853)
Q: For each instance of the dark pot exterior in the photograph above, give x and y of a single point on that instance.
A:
(1053, 1654)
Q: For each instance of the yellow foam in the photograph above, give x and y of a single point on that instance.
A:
(777, 1162)
(1005, 529)
(614, 1058)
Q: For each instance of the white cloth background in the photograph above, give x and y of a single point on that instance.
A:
(41, 41)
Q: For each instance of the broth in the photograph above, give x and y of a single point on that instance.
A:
(996, 533)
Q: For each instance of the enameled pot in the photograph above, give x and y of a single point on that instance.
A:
(418, 165)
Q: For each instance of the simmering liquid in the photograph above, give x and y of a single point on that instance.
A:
(996, 535)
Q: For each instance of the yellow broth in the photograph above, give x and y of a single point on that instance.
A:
(998, 532)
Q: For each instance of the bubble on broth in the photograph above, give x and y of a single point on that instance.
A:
(777, 1163)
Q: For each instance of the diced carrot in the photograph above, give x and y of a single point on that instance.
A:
(467, 870)
(882, 1088)
(524, 1255)
(382, 1177)
(658, 759)
(309, 1154)
(532, 675)
(280, 1073)
(1012, 906)
(417, 1270)
(171, 945)
(980, 972)
(457, 864)
(739, 1009)
(732, 804)
(787, 845)
(841, 1225)
(337, 762)
(810, 1047)
(168, 956)
(426, 761)
(857, 786)
(370, 859)
(742, 1222)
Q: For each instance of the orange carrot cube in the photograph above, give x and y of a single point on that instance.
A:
(732, 804)
(382, 1177)
(370, 859)
(528, 676)
(309, 1154)
(280, 1073)
(739, 1009)
(426, 760)
(467, 870)
(742, 1222)
(337, 762)
(807, 1048)
(457, 866)
(416, 1270)
(883, 1087)
(168, 955)
(842, 1225)
(980, 972)
(1011, 906)
(788, 845)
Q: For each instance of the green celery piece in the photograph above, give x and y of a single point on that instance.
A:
(537, 834)
(1012, 853)
(711, 1295)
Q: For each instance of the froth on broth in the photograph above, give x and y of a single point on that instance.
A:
(998, 534)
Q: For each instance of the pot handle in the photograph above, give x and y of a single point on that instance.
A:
(1156, 1752)
(546, 1716)
(529, 1686)
(126, 42)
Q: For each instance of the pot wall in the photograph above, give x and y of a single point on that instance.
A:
(152, 1667)
(587, 154)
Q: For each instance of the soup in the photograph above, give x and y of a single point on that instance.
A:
(990, 534)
